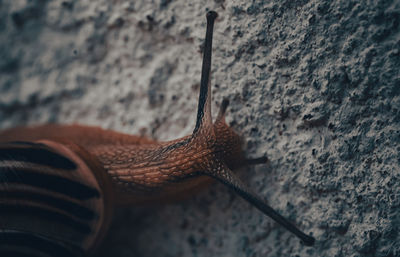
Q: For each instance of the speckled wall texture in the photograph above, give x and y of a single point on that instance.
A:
(314, 84)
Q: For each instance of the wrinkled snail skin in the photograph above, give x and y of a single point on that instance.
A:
(59, 184)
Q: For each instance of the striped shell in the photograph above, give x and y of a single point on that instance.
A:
(55, 199)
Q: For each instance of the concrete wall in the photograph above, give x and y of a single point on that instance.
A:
(314, 84)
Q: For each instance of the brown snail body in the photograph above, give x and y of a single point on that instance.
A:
(60, 183)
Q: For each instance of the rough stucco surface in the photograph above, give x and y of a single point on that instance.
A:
(314, 84)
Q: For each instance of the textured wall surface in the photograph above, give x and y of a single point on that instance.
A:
(314, 84)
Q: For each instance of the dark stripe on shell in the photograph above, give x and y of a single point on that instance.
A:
(41, 212)
(70, 207)
(38, 243)
(19, 253)
(37, 155)
(46, 181)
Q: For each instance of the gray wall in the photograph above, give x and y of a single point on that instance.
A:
(314, 84)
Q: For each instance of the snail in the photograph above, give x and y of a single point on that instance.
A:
(59, 184)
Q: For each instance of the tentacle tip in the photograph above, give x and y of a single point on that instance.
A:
(212, 15)
(308, 241)
(264, 159)
(224, 106)
(255, 161)
(225, 103)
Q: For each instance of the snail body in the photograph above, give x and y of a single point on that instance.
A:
(59, 184)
